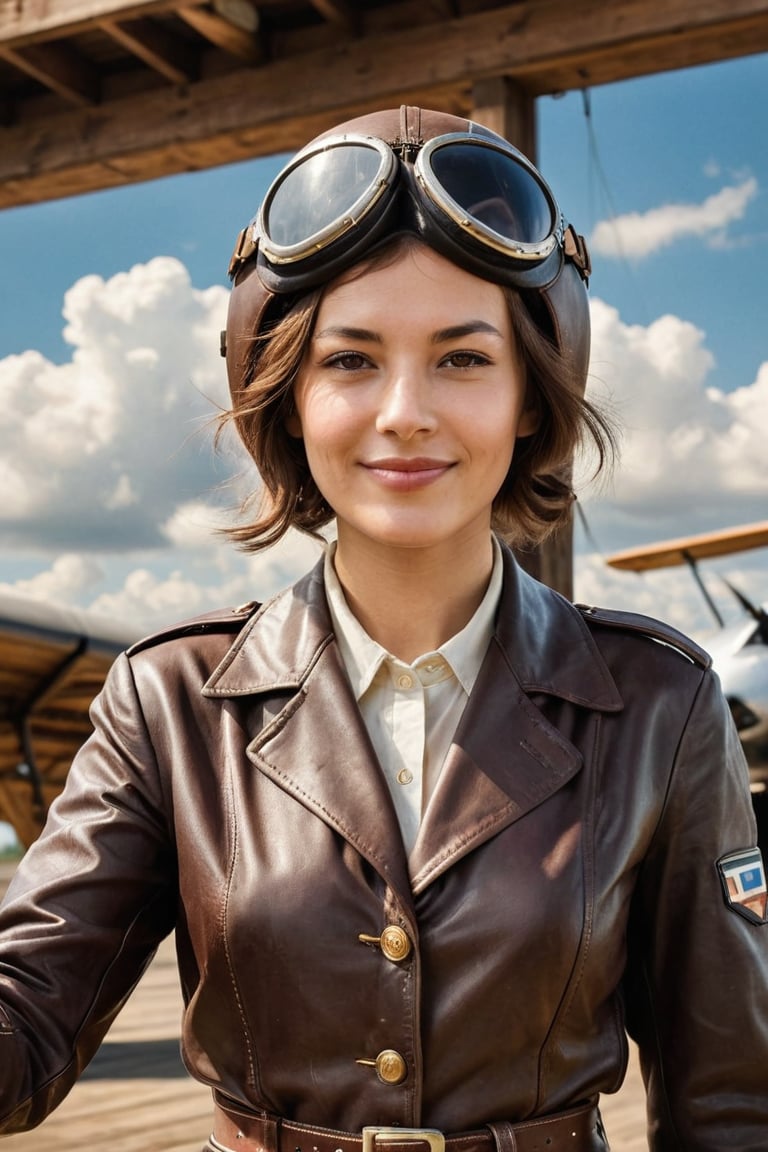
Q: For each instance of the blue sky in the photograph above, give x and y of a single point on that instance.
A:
(106, 461)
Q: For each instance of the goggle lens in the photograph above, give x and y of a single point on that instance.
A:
(492, 188)
(318, 199)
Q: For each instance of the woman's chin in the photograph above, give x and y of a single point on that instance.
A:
(425, 531)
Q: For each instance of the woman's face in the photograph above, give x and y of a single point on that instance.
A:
(409, 399)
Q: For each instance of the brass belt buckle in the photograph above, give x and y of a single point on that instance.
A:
(431, 1136)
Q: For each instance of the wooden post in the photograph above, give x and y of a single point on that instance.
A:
(504, 106)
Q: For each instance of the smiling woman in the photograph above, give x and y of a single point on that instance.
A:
(409, 400)
(433, 839)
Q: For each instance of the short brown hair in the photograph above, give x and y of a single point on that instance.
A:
(536, 495)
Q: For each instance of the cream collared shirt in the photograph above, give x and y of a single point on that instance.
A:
(411, 711)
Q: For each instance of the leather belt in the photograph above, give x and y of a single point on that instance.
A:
(577, 1130)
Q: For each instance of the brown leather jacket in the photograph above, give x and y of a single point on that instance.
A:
(564, 885)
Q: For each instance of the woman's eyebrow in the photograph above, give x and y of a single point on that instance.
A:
(343, 333)
(453, 332)
(459, 331)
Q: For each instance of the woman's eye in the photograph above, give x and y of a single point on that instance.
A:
(465, 360)
(347, 361)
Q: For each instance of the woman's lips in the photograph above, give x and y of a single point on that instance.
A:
(406, 475)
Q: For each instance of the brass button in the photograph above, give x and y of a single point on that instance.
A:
(395, 943)
(390, 1067)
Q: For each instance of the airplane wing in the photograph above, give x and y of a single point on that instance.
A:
(670, 553)
(53, 661)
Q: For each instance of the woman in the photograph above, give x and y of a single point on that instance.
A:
(431, 838)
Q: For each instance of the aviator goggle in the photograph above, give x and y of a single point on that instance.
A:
(474, 198)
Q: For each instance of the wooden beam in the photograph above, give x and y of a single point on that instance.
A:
(153, 45)
(71, 165)
(224, 34)
(241, 13)
(445, 8)
(339, 12)
(545, 45)
(669, 52)
(58, 67)
(22, 21)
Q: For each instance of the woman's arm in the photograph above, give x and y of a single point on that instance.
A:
(85, 911)
(697, 987)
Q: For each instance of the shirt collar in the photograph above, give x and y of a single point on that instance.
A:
(363, 656)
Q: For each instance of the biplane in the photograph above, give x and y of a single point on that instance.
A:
(739, 650)
(53, 661)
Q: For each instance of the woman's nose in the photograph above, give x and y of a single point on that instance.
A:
(406, 406)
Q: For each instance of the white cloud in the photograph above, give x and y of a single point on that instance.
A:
(693, 460)
(97, 453)
(147, 601)
(691, 453)
(123, 494)
(66, 581)
(194, 525)
(638, 234)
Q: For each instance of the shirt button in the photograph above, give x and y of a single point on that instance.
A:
(395, 943)
(405, 681)
(390, 1067)
(405, 776)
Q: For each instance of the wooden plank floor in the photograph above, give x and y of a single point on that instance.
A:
(137, 1097)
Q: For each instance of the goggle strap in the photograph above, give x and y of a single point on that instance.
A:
(245, 246)
(410, 127)
(575, 249)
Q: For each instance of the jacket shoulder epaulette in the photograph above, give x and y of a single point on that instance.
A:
(222, 621)
(654, 629)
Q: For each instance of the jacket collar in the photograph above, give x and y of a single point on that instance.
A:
(549, 645)
(542, 637)
(316, 747)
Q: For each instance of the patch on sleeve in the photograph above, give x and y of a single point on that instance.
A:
(743, 878)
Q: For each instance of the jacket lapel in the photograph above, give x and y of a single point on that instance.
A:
(506, 757)
(316, 747)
